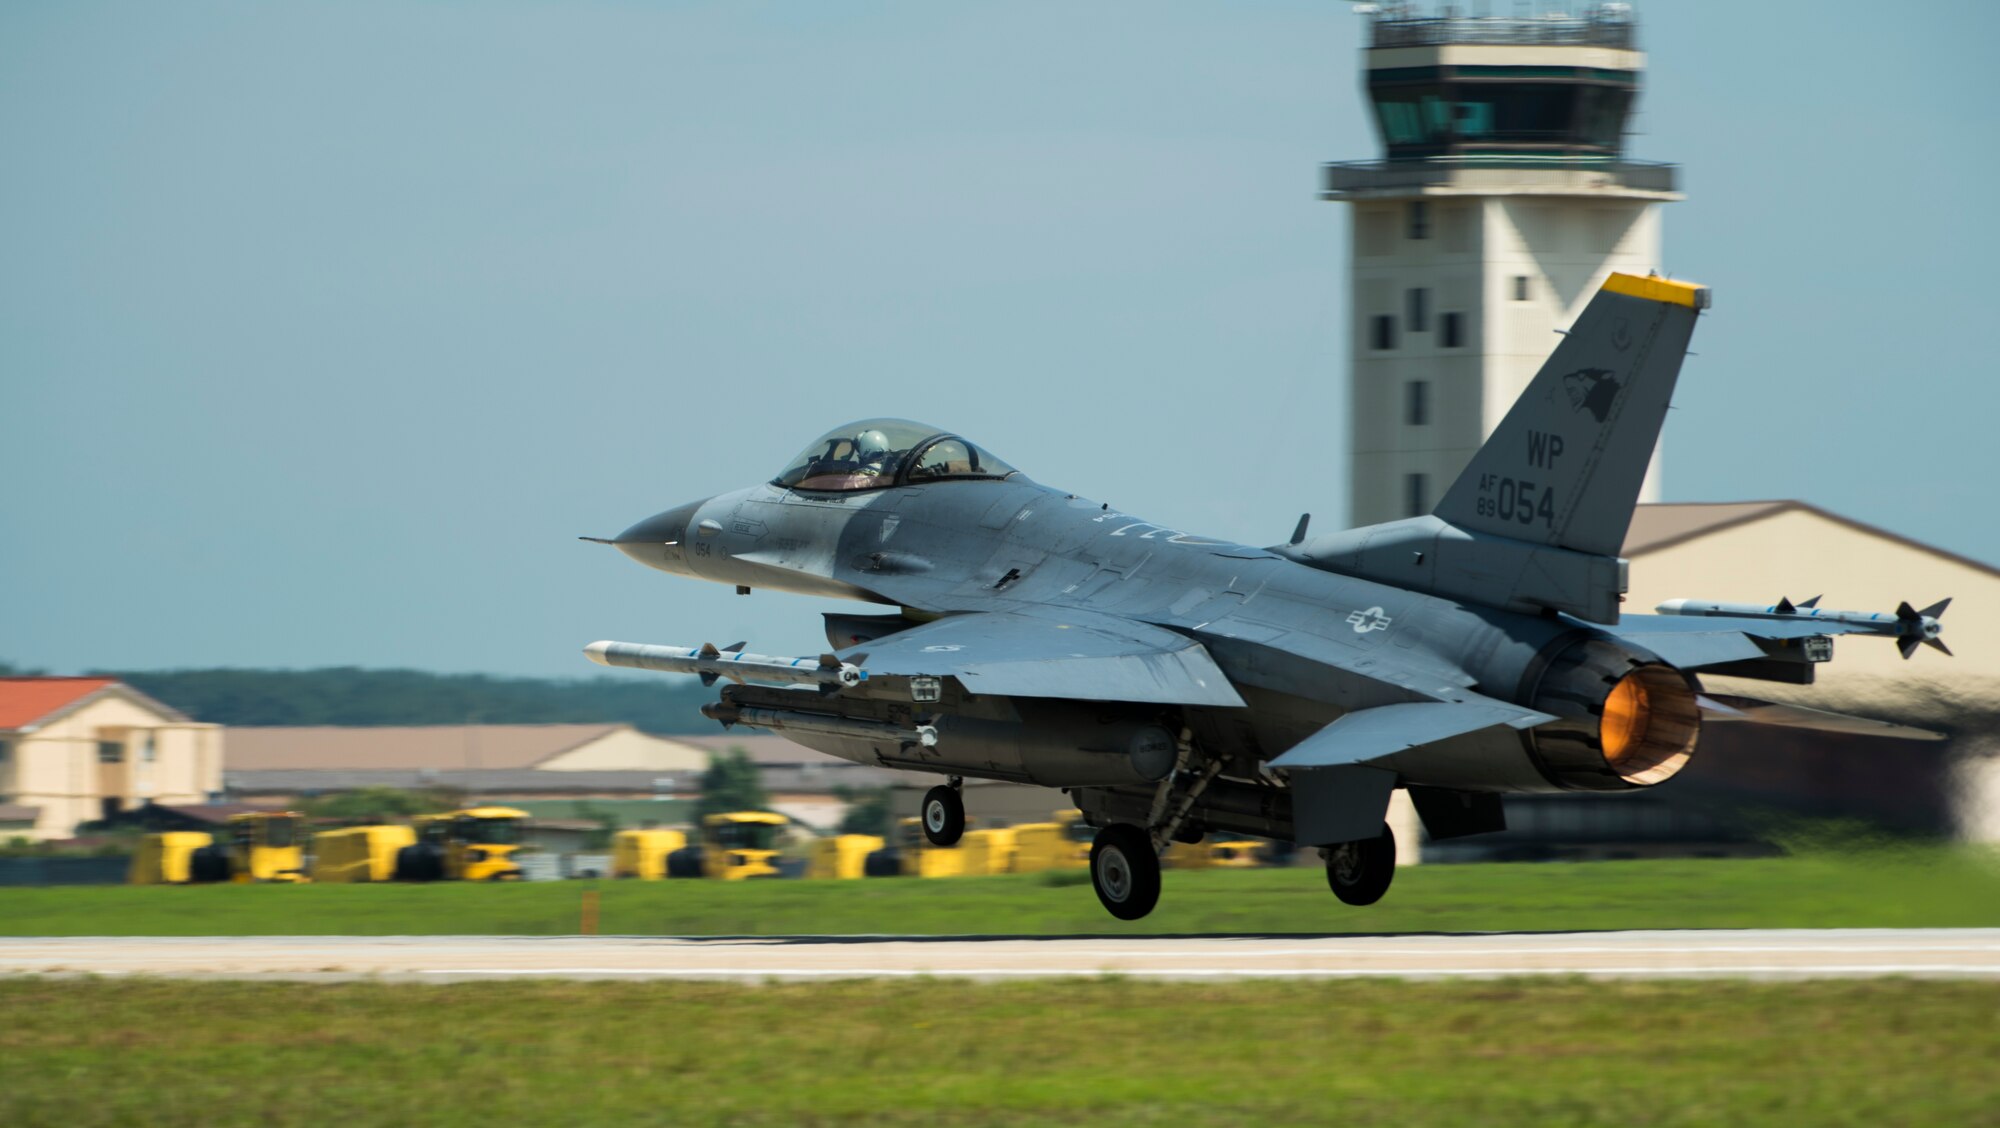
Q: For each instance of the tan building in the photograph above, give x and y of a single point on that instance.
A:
(572, 761)
(518, 760)
(73, 750)
(459, 748)
(1761, 551)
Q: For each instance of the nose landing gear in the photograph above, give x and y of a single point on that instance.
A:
(944, 814)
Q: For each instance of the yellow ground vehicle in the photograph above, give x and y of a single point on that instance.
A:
(261, 846)
(734, 846)
(643, 853)
(474, 844)
(1238, 854)
(910, 854)
(1061, 844)
(359, 853)
(841, 855)
(985, 852)
(264, 846)
(166, 859)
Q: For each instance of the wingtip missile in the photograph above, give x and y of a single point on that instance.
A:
(710, 662)
(1911, 627)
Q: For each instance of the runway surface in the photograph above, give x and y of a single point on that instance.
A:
(1787, 954)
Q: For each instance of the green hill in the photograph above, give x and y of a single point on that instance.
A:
(352, 696)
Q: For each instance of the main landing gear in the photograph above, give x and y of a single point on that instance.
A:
(1125, 870)
(944, 814)
(1359, 872)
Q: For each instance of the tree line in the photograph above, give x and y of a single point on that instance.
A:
(348, 695)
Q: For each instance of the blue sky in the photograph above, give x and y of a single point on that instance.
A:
(325, 328)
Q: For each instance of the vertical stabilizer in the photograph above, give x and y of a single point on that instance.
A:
(1564, 467)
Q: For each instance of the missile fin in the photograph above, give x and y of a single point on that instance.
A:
(1938, 644)
(1784, 606)
(736, 647)
(707, 679)
(708, 650)
(1809, 604)
(1936, 609)
(1908, 645)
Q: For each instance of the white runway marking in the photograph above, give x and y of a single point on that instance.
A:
(1801, 953)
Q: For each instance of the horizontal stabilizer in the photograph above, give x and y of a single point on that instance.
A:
(1726, 707)
(1367, 734)
(1055, 652)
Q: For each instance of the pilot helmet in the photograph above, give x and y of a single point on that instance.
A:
(871, 444)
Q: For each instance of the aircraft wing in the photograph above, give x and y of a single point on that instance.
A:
(1695, 643)
(1367, 734)
(1053, 652)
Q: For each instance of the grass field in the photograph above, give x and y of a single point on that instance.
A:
(1909, 888)
(1100, 1052)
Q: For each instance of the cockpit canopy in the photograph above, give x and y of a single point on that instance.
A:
(875, 454)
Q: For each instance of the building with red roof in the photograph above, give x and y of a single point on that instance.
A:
(73, 750)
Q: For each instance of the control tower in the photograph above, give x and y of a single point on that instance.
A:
(1502, 200)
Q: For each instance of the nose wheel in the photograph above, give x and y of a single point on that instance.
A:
(1125, 871)
(944, 816)
(1359, 872)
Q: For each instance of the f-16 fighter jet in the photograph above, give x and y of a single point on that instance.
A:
(1176, 685)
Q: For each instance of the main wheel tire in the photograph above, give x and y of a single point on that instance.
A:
(944, 816)
(685, 862)
(1359, 872)
(420, 862)
(1125, 871)
(208, 865)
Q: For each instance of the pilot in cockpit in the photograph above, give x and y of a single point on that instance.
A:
(853, 462)
(877, 453)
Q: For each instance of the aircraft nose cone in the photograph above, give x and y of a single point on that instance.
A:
(656, 541)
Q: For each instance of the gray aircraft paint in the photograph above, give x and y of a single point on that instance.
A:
(1458, 651)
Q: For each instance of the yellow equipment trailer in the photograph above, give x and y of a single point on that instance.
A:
(1236, 854)
(643, 853)
(841, 855)
(1061, 844)
(986, 852)
(734, 846)
(474, 844)
(910, 854)
(166, 859)
(265, 846)
(359, 853)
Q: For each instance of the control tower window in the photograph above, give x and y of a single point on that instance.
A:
(1453, 329)
(1417, 403)
(1416, 495)
(1520, 287)
(1382, 332)
(1420, 219)
(1419, 301)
